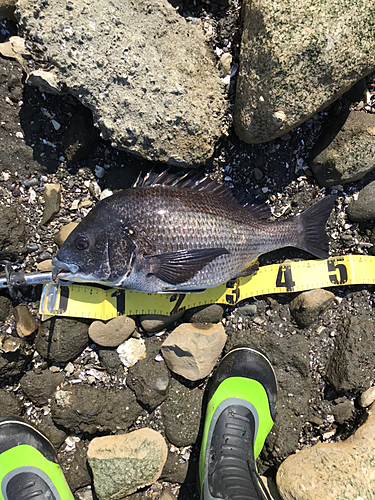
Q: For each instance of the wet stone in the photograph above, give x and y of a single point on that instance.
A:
(62, 339)
(182, 413)
(93, 409)
(40, 386)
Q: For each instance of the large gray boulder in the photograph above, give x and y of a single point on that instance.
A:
(147, 75)
(296, 58)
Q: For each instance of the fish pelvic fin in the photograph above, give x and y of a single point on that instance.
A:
(180, 266)
(311, 227)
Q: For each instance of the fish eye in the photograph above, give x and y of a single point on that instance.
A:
(81, 242)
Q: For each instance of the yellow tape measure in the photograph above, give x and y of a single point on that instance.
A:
(86, 301)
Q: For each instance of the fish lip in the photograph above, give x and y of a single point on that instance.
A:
(59, 268)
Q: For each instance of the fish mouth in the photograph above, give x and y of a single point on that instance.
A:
(62, 270)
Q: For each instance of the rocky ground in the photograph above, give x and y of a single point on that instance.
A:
(323, 363)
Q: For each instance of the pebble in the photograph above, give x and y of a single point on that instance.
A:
(124, 463)
(45, 266)
(52, 199)
(192, 350)
(204, 314)
(64, 232)
(131, 351)
(113, 332)
(307, 306)
(32, 247)
(30, 182)
(225, 63)
(44, 256)
(26, 323)
(152, 323)
(99, 171)
(335, 470)
(367, 398)
(106, 193)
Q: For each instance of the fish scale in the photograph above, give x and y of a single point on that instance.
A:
(183, 235)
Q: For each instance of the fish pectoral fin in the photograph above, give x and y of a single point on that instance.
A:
(250, 269)
(182, 265)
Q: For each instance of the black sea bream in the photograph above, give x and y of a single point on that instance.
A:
(182, 233)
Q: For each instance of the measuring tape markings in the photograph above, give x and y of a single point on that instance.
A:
(88, 301)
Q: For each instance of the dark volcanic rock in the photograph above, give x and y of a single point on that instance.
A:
(352, 363)
(9, 404)
(174, 471)
(13, 363)
(78, 474)
(182, 414)
(54, 434)
(290, 360)
(204, 314)
(5, 308)
(40, 386)
(12, 230)
(92, 409)
(62, 339)
(110, 360)
(148, 378)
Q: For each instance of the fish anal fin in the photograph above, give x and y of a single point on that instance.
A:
(249, 269)
(180, 266)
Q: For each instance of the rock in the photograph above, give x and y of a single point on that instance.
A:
(45, 266)
(112, 333)
(248, 310)
(149, 379)
(152, 323)
(363, 208)
(181, 413)
(78, 475)
(82, 137)
(5, 308)
(47, 81)
(290, 358)
(62, 339)
(64, 232)
(345, 149)
(84, 494)
(297, 52)
(367, 398)
(351, 365)
(174, 470)
(7, 9)
(48, 428)
(26, 323)
(15, 354)
(40, 386)
(52, 200)
(94, 409)
(342, 410)
(225, 63)
(204, 314)
(13, 235)
(110, 360)
(332, 471)
(307, 306)
(192, 350)
(131, 351)
(10, 405)
(124, 463)
(147, 75)
(167, 495)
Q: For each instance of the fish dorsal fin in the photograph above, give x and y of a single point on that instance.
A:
(189, 180)
(253, 205)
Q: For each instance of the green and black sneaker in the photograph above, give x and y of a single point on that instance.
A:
(240, 414)
(28, 464)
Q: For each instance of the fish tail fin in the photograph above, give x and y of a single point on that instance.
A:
(311, 227)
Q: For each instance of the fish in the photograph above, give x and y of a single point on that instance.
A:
(183, 233)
